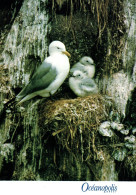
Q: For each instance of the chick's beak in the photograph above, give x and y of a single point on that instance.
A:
(66, 53)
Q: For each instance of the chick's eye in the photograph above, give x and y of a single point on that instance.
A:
(78, 75)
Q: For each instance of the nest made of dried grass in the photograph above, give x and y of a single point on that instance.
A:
(74, 122)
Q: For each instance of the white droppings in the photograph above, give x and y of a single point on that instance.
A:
(117, 126)
(131, 139)
(134, 131)
(120, 154)
(105, 129)
(7, 151)
(120, 88)
(124, 132)
(26, 37)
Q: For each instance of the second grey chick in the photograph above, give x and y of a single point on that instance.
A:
(86, 65)
(81, 85)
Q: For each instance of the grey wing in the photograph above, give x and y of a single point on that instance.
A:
(42, 70)
(80, 67)
(88, 84)
(42, 78)
(78, 64)
(72, 70)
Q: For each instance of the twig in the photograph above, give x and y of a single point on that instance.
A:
(59, 131)
(112, 145)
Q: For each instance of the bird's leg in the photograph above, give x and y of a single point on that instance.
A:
(51, 97)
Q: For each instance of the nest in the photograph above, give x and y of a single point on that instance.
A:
(74, 122)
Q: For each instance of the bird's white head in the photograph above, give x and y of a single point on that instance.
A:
(57, 47)
(87, 61)
(77, 74)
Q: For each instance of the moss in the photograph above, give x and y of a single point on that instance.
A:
(130, 119)
(4, 79)
(27, 175)
(127, 169)
(95, 28)
(66, 145)
(130, 164)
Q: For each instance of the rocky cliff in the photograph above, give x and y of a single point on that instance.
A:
(65, 137)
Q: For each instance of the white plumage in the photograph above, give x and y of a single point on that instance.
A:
(49, 76)
(86, 65)
(82, 85)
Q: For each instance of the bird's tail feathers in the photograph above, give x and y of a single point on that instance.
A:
(22, 93)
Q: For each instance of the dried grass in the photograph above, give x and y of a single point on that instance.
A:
(74, 122)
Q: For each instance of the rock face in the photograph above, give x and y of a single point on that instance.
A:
(69, 138)
(26, 42)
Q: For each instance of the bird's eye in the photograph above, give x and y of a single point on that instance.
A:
(87, 61)
(58, 48)
(78, 75)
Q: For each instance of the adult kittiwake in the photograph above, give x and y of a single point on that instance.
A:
(86, 65)
(82, 85)
(49, 76)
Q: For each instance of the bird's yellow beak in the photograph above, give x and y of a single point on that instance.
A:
(66, 53)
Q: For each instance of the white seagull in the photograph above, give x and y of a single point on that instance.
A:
(49, 76)
(82, 85)
(86, 65)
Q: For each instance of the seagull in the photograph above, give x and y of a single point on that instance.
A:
(82, 85)
(86, 65)
(49, 76)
